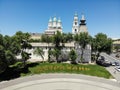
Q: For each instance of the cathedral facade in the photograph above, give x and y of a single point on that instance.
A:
(79, 27)
(54, 25)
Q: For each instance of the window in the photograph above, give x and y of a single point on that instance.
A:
(75, 23)
(75, 30)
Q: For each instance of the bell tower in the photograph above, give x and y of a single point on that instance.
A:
(83, 27)
(75, 26)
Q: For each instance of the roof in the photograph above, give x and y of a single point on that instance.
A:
(50, 44)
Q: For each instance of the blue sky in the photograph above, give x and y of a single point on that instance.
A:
(33, 15)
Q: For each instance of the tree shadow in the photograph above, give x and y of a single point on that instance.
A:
(15, 72)
(32, 64)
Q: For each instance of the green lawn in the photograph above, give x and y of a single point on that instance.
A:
(93, 70)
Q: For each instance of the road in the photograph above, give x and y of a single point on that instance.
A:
(60, 82)
(110, 58)
(112, 69)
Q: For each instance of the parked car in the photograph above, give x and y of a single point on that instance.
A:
(117, 68)
(117, 64)
(117, 55)
(102, 57)
(103, 63)
(112, 63)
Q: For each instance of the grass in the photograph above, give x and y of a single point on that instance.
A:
(93, 70)
(16, 70)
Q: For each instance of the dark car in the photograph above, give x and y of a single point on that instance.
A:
(117, 55)
(102, 57)
(117, 64)
(112, 63)
(103, 63)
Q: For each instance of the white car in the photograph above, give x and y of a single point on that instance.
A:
(117, 68)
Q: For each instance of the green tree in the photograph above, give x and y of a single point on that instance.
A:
(46, 38)
(7, 57)
(51, 55)
(22, 40)
(101, 43)
(3, 63)
(10, 57)
(69, 37)
(39, 52)
(1, 39)
(108, 46)
(12, 46)
(82, 39)
(25, 56)
(7, 42)
(57, 39)
(117, 48)
(73, 56)
(20, 36)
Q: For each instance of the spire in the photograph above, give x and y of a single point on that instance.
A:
(83, 17)
(82, 21)
(76, 15)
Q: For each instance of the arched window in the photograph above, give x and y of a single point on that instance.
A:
(75, 30)
(75, 23)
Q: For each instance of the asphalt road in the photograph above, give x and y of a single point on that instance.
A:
(110, 58)
(111, 69)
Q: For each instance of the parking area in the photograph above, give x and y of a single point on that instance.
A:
(113, 69)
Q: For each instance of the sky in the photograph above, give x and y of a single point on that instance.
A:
(33, 15)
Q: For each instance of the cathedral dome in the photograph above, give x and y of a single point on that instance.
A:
(54, 19)
(50, 20)
(59, 20)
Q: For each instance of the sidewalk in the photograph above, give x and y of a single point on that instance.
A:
(60, 82)
(114, 73)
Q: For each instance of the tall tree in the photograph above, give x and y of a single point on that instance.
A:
(82, 39)
(73, 56)
(3, 63)
(69, 37)
(23, 43)
(101, 43)
(46, 38)
(117, 48)
(12, 46)
(25, 55)
(7, 57)
(39, 52)
(57, 39)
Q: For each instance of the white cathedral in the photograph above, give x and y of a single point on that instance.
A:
(54, 25)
